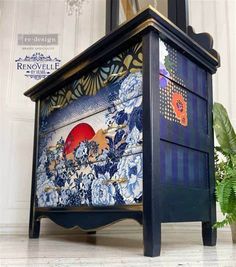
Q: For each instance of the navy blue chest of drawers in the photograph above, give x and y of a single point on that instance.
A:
(124, 130)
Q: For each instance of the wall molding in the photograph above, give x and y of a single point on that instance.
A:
(49, 228)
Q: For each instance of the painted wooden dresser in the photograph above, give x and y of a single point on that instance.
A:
(124, 130)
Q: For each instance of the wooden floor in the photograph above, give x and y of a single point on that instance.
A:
(117, 246)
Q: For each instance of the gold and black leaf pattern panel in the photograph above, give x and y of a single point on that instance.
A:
(89, 84)
(59, 99)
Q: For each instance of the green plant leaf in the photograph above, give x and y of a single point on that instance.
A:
(234, 187)
(223, 129)
(223, 192)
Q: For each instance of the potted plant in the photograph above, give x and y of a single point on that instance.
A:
(225, 163)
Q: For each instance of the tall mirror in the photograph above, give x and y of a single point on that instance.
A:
(119, 11)
(128, 8)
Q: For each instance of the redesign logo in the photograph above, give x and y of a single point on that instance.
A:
(37, 66)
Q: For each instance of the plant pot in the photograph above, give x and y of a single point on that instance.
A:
(233, 231)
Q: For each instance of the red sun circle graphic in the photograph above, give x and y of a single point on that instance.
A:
(81, 132)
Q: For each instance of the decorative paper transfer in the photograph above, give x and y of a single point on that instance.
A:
(89, 84)
(96, 161)
(173, 99)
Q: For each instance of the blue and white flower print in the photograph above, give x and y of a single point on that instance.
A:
(130, 168)
(81, 153)
(48, 199)
(87, 180)
(93, 176)
(134, 139)
(111, 115)
(47, 196)
(85, 188)
(42, 160)
(103, 192)
(42, 179)
(129, 91)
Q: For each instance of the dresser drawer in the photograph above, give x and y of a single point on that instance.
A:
(183, 114)
(93, 92)
(181, 70)
(104, 135)
(104, 183)
(182, 166)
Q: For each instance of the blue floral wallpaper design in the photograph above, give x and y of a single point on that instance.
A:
(96, 161)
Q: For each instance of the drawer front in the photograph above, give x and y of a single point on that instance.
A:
(180, 165)
(184, 116)
(97, 160)
(104, 82)
(104, 135)
(181, 70)
(103, 183)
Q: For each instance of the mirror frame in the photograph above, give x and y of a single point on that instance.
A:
(177, 13)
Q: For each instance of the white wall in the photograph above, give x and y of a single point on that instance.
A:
(218, 17)
(16, 111)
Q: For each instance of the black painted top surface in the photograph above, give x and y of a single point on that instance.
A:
(149, 19)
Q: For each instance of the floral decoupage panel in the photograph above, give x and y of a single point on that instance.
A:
(95, 161)
(173, 101)
(78, 92)
(183, 110)
(183, 119)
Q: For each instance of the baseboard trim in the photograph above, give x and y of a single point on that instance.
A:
(49, 228)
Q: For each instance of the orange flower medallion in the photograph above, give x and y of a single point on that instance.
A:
(179, 106)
